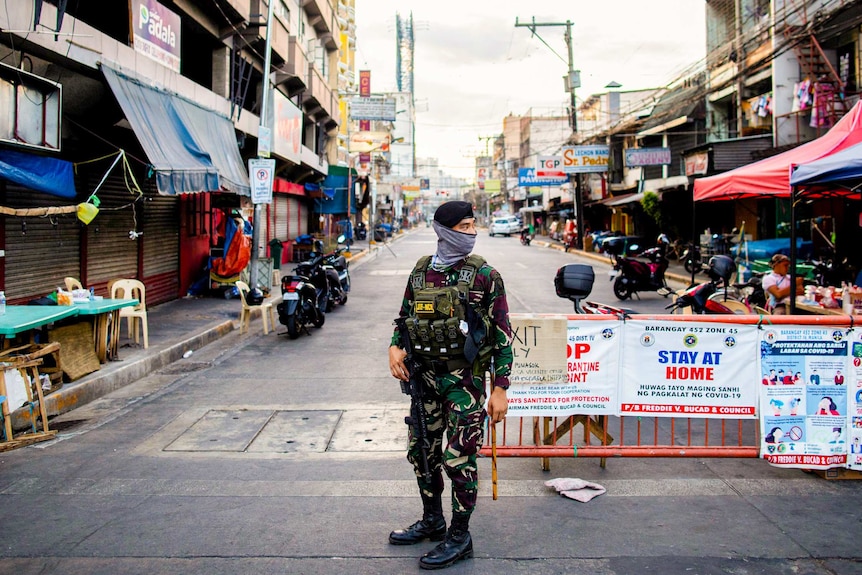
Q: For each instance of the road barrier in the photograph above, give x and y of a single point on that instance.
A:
(711, 430)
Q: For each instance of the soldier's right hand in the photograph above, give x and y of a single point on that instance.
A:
(396, 363)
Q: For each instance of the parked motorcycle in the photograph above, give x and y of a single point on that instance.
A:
(712, 298)
(631, 275)
(575, 282)
(526, 236)
(691, 258)
(361, 231)
(305, 296)
(337, 275)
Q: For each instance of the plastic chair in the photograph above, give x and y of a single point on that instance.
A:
(245, 315)
(72, 283)
(136, 315)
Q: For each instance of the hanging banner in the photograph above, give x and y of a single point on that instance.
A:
(804, 396)
(689, 369)
(563, 367)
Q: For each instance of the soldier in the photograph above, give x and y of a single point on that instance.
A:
(454, 363)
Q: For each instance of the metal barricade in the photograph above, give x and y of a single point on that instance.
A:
(604, 436)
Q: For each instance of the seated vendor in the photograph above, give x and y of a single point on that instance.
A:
(777, 284)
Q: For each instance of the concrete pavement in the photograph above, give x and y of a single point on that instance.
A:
(262, 455)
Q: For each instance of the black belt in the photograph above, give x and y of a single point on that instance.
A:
(442, 367)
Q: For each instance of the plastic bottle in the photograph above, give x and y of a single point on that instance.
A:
(2, 302)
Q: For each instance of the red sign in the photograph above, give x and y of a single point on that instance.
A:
(365, 83)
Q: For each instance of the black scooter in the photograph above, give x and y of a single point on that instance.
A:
(361, 231)
(631, 275)
(337, 275)
(305, 296)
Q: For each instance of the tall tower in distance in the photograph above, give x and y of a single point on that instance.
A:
(404, 55)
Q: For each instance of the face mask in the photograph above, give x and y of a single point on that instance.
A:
(452, 246)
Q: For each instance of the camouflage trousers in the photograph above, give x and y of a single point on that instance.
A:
(455, 404)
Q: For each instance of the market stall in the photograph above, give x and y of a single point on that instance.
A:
(772, 176)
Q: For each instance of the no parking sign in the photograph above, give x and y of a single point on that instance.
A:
(261, 175)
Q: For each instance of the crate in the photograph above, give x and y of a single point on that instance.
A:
(837, 473)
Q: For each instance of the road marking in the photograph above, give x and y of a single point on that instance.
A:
(161, 487)
(390, 272)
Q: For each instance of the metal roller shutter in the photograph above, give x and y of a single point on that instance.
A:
(40, 251)
(161, 248)
(110, 252)
(280, 219)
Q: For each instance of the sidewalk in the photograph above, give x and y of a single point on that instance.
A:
(675, 270)
(175, 327)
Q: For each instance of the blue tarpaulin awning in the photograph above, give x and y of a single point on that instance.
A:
(841, 167)
(192, 149)
(39, 173)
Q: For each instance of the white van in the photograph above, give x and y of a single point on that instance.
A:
(505, 225)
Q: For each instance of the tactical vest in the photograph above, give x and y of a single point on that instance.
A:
(443, 324)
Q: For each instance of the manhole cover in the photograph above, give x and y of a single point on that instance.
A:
(185, 367)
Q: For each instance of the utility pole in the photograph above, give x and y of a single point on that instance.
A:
(572, 81)
(264, 142)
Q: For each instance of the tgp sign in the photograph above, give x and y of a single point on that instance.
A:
(550, 167)
(583, 159)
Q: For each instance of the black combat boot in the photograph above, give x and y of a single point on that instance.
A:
(456, 546)
(432, 526)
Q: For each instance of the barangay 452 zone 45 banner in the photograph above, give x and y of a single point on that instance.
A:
(688, 369)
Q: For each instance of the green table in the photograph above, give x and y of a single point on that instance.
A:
(101, 310)
(21, 318)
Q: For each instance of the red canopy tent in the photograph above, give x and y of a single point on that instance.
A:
(771, 176)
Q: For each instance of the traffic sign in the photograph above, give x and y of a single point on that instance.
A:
(261, 174)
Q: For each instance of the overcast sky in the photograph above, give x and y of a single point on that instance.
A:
(472, 66)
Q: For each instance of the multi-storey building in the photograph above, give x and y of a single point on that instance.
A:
(177, 87)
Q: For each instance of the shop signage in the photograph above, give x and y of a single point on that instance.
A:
(584, 159)
(365, 83)
(697, 164)
(287, 129)
(550, 167)
(636, 157)
(156, 32)
(373, 109)
(527, 177)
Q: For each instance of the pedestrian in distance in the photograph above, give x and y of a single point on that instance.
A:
(452, 285)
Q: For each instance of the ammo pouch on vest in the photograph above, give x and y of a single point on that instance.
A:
(443, 324)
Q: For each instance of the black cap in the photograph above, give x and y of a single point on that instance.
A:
(450, 213)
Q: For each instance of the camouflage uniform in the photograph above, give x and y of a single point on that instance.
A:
(455, 401)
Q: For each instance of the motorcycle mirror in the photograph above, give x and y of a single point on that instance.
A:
(341, 239)
(634, 248)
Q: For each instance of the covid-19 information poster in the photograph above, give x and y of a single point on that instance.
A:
(804, 399)
(688, 369)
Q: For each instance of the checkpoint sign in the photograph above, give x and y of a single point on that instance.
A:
(261, 173)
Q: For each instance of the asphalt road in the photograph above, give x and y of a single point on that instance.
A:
(264, 455)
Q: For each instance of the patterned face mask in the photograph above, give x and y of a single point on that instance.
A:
(452, 246)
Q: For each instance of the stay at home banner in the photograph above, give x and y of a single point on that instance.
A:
(803, 384)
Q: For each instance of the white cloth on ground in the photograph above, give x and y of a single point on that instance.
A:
(576, 489)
